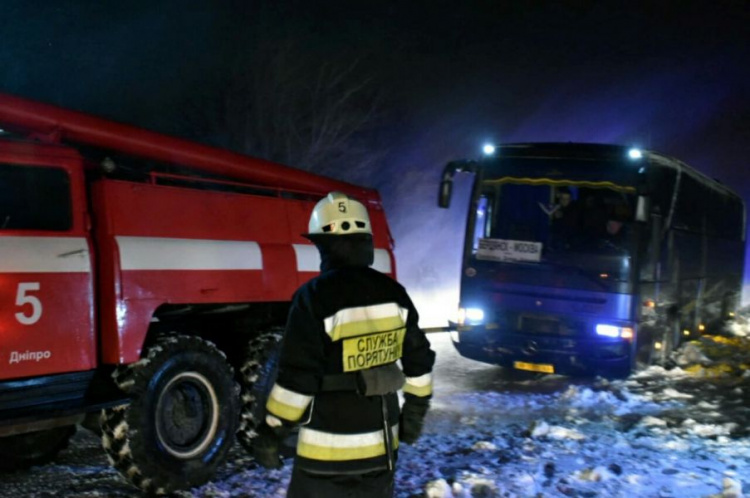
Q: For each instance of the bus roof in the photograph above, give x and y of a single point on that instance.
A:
(591, 151)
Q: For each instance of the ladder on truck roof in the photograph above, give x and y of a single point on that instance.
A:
(27, 116)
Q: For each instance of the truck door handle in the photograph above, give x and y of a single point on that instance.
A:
(72, 253)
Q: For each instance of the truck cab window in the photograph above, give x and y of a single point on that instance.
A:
(34, 198)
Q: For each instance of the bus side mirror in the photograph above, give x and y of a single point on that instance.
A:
(446, 183)
(446, 190)
(642, 209)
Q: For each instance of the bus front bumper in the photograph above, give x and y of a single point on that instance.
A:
(575, 356)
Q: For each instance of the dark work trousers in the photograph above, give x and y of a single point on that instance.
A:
(370, 485)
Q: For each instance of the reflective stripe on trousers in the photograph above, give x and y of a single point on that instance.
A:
(327, 446)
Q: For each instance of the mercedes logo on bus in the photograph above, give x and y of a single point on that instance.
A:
(530, 348)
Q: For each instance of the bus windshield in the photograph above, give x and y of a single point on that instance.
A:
(584, 227)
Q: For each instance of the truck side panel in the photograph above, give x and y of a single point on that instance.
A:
(171, 245)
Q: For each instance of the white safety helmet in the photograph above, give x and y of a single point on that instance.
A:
(337, 214)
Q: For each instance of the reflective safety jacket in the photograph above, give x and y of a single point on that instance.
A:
(343, 322)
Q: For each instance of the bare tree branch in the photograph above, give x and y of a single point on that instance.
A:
(281, 105)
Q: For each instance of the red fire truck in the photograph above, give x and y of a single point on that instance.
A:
(144, 279)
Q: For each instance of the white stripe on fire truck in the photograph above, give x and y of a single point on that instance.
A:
(44, 255)
(308, 259)
(158, 253)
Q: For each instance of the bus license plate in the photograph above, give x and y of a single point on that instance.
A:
(534, 367)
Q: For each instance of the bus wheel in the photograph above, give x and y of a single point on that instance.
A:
(669, 339)
(181, 420)
(645, 354)
(33, 448)
(257, 377)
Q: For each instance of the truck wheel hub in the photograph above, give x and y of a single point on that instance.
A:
(187, 415)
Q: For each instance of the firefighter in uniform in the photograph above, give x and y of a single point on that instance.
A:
(338, 373)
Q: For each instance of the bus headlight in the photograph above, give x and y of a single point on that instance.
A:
(474, 314)
(470, 316)
(635, 154)
(614, 331)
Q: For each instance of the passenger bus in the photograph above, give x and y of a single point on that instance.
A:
(590, 259)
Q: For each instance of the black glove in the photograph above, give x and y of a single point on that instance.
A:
(412, 418)
(267, 447)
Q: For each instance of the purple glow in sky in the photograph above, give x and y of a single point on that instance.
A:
(671, 76)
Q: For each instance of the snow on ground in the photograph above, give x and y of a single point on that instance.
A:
(677, 432)
(598, 440)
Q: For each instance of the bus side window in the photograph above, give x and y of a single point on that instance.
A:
(662, 182)
(725, 217)
(737, 220)
(662, 189)
(691, 205)
(482, 221)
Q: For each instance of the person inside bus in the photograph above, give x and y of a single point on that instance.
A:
(593, 218)
(565, 218)
(619, 212)
(603, 220)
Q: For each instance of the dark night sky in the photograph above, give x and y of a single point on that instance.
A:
(673, 76)
(660, 75)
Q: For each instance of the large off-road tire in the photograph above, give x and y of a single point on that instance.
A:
(257, 376)
(34, 448)
(181, 420)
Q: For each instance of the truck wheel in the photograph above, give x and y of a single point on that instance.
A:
(257, 376)
(182, 416)
(34, 448)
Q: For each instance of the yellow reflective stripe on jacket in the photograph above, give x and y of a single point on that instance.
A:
(351, 322)
(327, 446)
(419, 386)
(287, 404)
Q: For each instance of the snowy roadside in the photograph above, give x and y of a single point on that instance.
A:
(580, 442)
(681, 432)
(668, 433)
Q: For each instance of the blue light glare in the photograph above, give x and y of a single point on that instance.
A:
(474, 314)
(608, 330)
(488, 149)
(635, 154)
